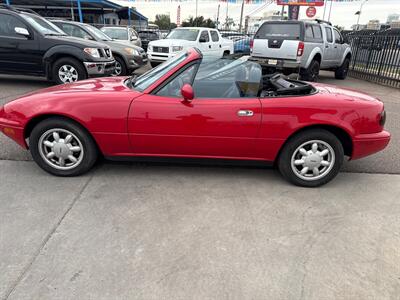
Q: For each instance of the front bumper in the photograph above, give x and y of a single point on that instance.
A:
(14, 131)
(136, 61)
(276, 62)
(160, 57)
(367, 144)
(94, 69)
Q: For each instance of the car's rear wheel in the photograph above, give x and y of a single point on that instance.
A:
(120, 67)
(312, 72)
(68, 70)
(343, 70)
(62, 147)
(311, 158)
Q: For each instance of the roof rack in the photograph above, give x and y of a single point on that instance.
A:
(18, 9)
(319, 21)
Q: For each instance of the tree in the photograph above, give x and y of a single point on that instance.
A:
(198, 22)
(164, 22)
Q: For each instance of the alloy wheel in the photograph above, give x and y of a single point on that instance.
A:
(61, 149)
(67, 74)
(118, 69)
(313, 160)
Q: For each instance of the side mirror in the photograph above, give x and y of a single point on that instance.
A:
(22, 31)
(202, 40)
(187, 92)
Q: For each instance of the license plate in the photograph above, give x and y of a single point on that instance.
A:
(272, 61)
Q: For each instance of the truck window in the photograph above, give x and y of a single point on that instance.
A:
(317, 32)
(309, 32)
(204, 35)
(338, 37)
(329, 37)
(8, 24)
(275, 30)
(214, 36)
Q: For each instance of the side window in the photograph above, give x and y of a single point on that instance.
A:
(309, 32)
(204, 36)
(173, 88)
(75, 31)
(329, 37)
(317, 32)
(214, 36)
(8, 24)
(338, 37)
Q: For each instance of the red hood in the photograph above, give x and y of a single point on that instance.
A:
(105, 84)
(333, 89)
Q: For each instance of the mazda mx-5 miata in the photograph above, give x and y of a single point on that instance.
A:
(194, 108)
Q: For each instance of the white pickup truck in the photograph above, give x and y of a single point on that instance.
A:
(209, 41)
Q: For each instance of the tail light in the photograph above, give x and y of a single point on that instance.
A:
(382, 119)
(251, 45)
(300, 49)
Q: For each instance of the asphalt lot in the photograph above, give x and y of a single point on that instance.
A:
(152, 231)
(386, 162)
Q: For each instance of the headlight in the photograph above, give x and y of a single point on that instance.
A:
(150, 48)
(93, 52)
(131, 51)
(177, 48)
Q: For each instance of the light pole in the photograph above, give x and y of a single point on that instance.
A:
(359, 12)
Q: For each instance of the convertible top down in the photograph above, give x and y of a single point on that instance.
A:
(188, 107)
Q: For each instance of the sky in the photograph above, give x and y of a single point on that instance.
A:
(342, 12)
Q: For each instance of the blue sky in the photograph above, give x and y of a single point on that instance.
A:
(342, 12)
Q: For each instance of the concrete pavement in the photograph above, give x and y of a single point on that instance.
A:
(166, 232)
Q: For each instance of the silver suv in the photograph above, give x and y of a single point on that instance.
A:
(301, 46)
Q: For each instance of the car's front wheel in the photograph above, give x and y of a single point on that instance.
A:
(311, 158)
(68, 70)
(62, 147)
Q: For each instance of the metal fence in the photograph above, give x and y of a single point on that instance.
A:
(376, 56)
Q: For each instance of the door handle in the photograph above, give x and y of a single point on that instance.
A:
(245, 113)
(209, 46)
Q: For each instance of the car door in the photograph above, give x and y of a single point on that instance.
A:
(339, 49)
(18, 53)
(329, 50)
(205, 43)
(216, 44)
(163, 124)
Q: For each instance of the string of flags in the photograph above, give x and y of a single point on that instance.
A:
(238, 1)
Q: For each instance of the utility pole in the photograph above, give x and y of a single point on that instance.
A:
(72, 11)
(227, 9)
(197, 5)
(325, 5)
(359, 12)
(330, 10)
(218, 16)
(282, 11)
(241, 17)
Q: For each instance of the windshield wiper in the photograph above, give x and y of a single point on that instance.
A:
(131, 81)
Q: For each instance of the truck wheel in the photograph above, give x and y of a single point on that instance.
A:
(311, 73)
(67, 70)
(343, 70)
(311, 158)
(120, 67)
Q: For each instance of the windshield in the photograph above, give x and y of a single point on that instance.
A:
(116, 33)
(279, 30)
(42, 25)
(183, 34)
(97, 33)
(148, 35)
(148, 78)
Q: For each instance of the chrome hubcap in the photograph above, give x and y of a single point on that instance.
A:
(118, 69)
(313, 160)
(61, 149)
(67, 73)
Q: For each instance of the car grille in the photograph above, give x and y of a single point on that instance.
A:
(160, 49)
(107, 53)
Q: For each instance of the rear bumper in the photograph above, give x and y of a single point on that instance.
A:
(95, 69)
(276, 62)
(367, 144)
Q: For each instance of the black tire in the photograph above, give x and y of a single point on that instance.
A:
(291, 151)
(87, 157)
(312, 72)
(124, 69)
(154, 64)
(343, 70)
(68, 61)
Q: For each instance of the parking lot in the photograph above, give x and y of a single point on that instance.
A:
(153, 231)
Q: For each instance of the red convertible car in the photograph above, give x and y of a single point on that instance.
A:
(193, 108)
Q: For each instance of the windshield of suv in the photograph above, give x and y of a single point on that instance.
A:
(42, 25)
(116, 33)
(278, 30)
(150, 35)
(183, 34)
(97, 33)
(148, 78)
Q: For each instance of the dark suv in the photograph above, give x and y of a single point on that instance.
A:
(31, 45)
